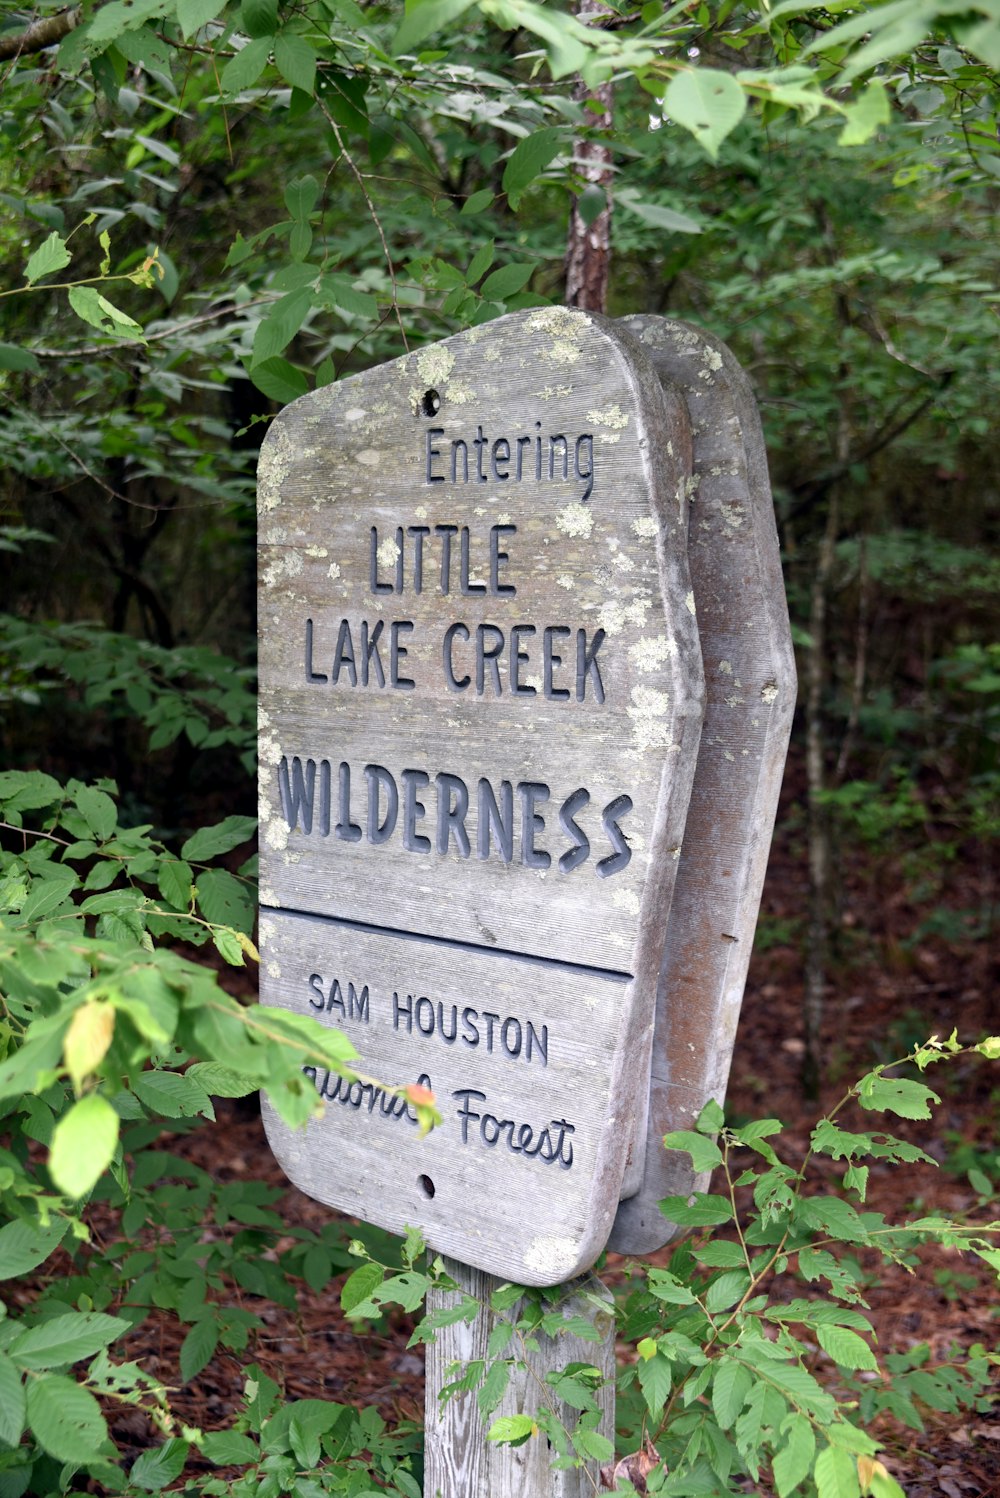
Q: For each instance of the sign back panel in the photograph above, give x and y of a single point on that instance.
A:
(750, 690)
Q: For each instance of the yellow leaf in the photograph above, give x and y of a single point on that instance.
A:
(248, 946)
(87, 1040)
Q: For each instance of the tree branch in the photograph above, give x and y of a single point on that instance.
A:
(39, 34)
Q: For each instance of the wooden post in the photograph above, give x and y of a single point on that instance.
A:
(459, 1462)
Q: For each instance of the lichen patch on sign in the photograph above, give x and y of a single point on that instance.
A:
(575, 520)
(650, 654)
(435, 363)
(283, 567)
(613, 417)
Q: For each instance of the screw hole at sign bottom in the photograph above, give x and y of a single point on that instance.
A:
(430, 404)
(426, 1185)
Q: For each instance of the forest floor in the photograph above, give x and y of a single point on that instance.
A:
(886, 993)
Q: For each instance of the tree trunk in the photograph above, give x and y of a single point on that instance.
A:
(588, 245)
(817, 937)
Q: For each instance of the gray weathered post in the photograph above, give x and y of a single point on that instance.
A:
(458, 1461)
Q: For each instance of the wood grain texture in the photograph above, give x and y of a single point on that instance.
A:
(751, 685)
(459, 1462)
(480, 706)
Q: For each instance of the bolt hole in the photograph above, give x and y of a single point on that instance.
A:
(426, 1185)
(430, 404)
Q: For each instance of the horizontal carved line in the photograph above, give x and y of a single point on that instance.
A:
(448, 941)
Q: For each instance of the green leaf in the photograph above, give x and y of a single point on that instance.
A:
(220, 1081)
(592, 1445)
(478, 202)
(846, 1348)
(227, 944)
(724, 1292)
(494, 1386)
(721, 1255)
(192, 15)
(730, 1387)
(51, 255)
(279, 379)
(26, 1244)
(83, 1145)
(96, 310)
(499, 1338)
(896, 1095)
(110, 21)
(99, 811)
(301, 195)
(796, 1381)
(481, 262)
(283, 321)
(591, 204)
(198, 1347)
(242, 71)
(703, 1210)
(48, 893)
(864, 117)
(12, 1402)
(66, 1339)
(172, 1095)
(209, 842)
(530, 157)
(225, 900)
(833, 1216)
(18, 359)
(159, 1466)
(655, 1381)
(227, 1448)
(338, 291)
(707, 102)
(506, 282)
(794, 1461)
(259, 18)
(65, 1419)
(705, 1153)
(512, 1428)
(28, 790)
(836, 1474)
(422, 18)
(295, 60)
(667, 1287)
(359, 1286)
(174, 879)
(656, 214)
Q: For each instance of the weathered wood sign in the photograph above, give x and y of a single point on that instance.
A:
(481, 699)
(750, 689)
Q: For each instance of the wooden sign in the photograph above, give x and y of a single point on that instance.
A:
(750, 687)
(480, 705)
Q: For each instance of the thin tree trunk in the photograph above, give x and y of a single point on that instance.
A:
(860, 663)
(588, 246)
(817, 937)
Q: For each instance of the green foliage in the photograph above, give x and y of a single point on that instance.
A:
(186, 690)
(212, 207)
(725, 1381)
